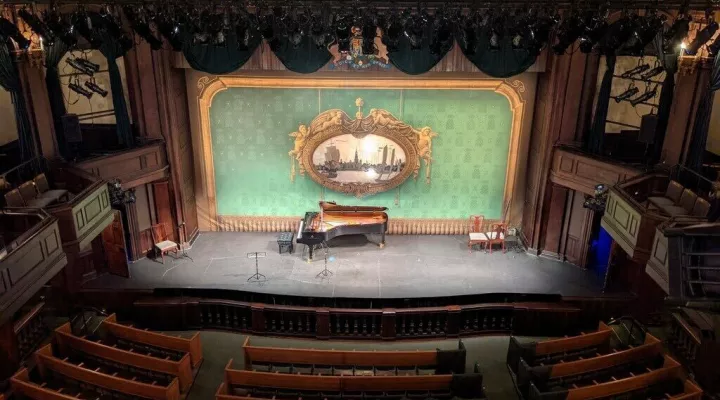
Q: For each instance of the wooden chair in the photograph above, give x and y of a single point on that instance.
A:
(162, 244)
(13, 198)
(496, 235)
(28, 191)
(475, 234)
(41, 183)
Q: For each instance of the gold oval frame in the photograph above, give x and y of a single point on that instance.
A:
(334, 123)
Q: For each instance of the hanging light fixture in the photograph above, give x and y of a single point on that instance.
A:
(569, 30)
(139, 23)
(595, 26)
(637, 70)
(649, 94)
(630, 92)
(90, 84)
(652, 73)
(677, 32)
(441, 39)
(646, 28)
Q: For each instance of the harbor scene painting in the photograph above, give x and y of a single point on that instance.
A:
(370, 159)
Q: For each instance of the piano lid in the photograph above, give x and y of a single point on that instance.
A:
(332, 206)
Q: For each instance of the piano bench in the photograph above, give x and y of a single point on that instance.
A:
(285, 242)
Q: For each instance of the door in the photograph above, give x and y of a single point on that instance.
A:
(113, 239)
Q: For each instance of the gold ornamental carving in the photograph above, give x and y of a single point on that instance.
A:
(324, 151)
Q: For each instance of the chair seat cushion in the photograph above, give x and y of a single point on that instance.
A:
(40, 202)
(166, 245)
(477, 236)
(675, 211)
(661, 201)
(493, 235)
(53, 194)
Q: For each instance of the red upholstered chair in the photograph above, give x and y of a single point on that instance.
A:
(476, 235)
(162, 243)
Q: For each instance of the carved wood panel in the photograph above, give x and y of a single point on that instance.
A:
(580, 172)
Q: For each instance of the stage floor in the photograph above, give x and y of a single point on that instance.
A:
(408, 266)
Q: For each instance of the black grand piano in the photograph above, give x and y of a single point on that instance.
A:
(334, 220)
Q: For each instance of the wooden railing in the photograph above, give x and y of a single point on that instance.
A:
(30, 330)
(340, 323)
(34, 258)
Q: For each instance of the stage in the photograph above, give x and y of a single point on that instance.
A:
(409, 266)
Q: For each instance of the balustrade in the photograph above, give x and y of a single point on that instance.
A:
(31, 330)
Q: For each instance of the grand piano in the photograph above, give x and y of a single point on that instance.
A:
(334, 220)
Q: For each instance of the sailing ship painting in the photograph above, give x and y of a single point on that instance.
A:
(347, 159)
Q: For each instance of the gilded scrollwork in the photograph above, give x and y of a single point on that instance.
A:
(399, 156)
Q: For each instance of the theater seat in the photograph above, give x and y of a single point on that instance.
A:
(671, 197)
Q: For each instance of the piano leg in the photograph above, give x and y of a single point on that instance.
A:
(382, 241)
(311, 247)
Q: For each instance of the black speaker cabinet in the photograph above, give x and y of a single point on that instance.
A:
(648, 125)
(71, 128)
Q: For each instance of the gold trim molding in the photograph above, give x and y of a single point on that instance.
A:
(209, 86)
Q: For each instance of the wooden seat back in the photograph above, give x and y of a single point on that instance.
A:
(651, 347)
(27, 191)
(223, 394)
(342, 384)
(21, 385)
(41, 183)
(531, 351)
(13, 198)
(180, 369)
(352, 357)
(154, 339)
(671, 369)
(46, 362)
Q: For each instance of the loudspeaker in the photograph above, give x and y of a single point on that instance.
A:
(648, 125)
(71, 128)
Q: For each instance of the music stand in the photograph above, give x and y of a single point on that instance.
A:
(325, 273)
(256, 276)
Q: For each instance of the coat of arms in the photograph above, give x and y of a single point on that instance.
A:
(355, 57)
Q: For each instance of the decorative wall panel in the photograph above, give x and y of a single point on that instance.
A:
(249, 130)
(581, 172)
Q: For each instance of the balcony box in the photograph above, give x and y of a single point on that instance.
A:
(132, 167)
(31, 255)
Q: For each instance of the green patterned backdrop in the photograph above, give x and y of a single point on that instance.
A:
(250, 142)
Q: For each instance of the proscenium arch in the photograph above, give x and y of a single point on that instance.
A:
(209, 86)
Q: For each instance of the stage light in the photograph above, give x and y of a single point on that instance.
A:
(646, 28)
(702, 37)
(652, 73)
(80, 90)
(414, 30)
(8, 29)
(637, 70)
(369, 32)
(644, 97)
(392, 33)
(78, 66)
(673, 38)
(630, 92)
(569, 30)
(60, 26)
(88, 64)
(38, 26)
(537, 33)
(318, 32)
(595, 27)
(616, 35)
(95, 88)
(469, 35)
(441, 40)
(140, 25)
(169, 29)
(343, 24)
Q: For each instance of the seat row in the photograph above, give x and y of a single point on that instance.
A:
(591, 366)
(292, 374)
(120, 362)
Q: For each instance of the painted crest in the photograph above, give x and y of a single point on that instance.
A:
(355, 57)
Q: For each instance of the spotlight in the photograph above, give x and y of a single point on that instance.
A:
(533, 31)
(570, 29)
(95, 88)
(637, 70)
(140, 25)
(268, 32)
(617, 34)
(469, 35)
(170, 29)
(414, 30)
(8, 29)
(594, 30)
(59, 25)
(342, 32)
(245, 31)
(318, 33)
(369, 32)
(88, 64)
(77, 65)
(392, 33)
(80, 90)
(83, 24)
(646, 28)
(644, 97)
(442, 35)
(677, 32)
(38, 26)
(652, 73)
(702, 37)
(630, 92)
(497, 31)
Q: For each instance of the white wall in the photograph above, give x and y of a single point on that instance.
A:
(78, 104)
(8, 127)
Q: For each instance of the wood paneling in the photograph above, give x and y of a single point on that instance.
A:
(133, 167)
(30, 265)
(581, 172)
(163, 208)
(113, 242)
(657, 265)
(553, 221)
